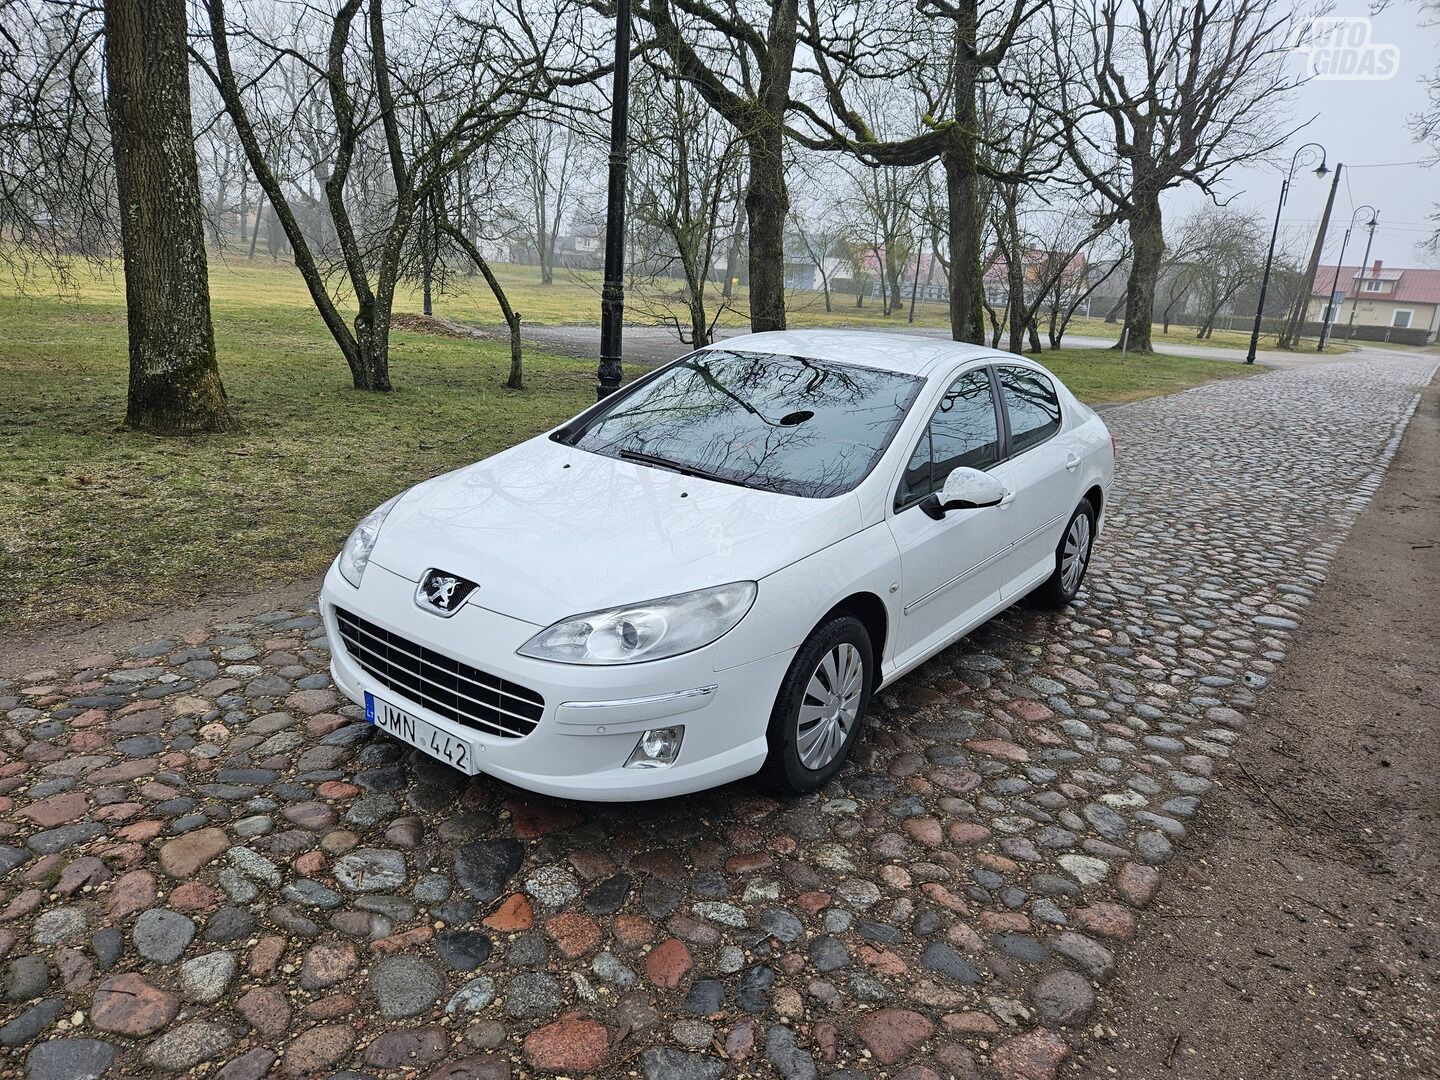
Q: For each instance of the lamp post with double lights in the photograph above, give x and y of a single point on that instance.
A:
(1330, 308)
(1364, 266)
(1309, 152)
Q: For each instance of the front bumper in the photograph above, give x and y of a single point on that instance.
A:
(593, 716)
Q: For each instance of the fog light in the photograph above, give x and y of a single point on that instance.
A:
(657, 748)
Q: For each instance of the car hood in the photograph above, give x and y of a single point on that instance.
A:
(549, 531)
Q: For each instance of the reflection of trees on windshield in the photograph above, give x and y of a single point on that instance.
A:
(788, 424)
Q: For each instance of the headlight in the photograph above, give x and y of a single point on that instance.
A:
(356, 553)
(648, 631)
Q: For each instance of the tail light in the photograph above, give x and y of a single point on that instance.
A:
(1114, 446)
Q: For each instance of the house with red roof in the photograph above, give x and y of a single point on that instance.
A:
(1381, 303)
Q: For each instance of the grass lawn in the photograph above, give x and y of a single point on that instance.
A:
(98, 522)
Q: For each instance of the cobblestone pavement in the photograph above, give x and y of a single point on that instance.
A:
(207, 863)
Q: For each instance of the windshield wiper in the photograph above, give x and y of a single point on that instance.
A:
(677, 466)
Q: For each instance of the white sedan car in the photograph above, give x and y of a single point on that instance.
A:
(710, 572)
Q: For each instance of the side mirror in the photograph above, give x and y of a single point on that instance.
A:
(965, 489)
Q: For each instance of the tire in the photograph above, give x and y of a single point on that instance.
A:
(801, 761)
(1063, 585)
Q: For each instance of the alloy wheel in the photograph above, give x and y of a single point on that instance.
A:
(1076, 553)
(831, 706)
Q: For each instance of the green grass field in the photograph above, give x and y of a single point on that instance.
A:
(97, 521)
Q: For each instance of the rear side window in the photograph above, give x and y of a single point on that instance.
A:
(962, 431)
(1032, 406)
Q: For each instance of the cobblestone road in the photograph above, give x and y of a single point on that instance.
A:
(207, 864)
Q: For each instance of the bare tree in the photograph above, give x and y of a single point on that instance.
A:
(1178, 270)
(57, 169)
(879, 208)
(952, 50)
(175, 384)
(83, 167)
(819, 236)
(685, 163)
(398, 125)
(1075, 284)
(1169, 92)
(1226, 262)
(740, 56)
(547, 157)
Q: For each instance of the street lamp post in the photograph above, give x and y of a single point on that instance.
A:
(612, 293)
(1309, 151)
(1364, 265)
(1335, 285)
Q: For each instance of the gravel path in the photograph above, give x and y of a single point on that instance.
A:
(205, 859)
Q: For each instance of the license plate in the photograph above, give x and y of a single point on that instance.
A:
(457, 752)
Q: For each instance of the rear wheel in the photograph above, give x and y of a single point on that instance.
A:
(821, 705)
(1072, 559)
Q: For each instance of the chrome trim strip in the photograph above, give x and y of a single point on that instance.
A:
(624, 703)
(402, 689)
(979, 566)
(356, 628)
(411, 704)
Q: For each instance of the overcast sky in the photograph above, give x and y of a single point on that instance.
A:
(1360, 123)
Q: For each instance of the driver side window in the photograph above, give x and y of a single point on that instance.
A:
(962, 431)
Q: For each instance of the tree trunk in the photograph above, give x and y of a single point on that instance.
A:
(767, 205)
(1014, 270)
(896, 275)
(967, 317)
(370, 369)
(427, 259)
(516, 381)
(255, 232)
(244, 205)
(175, 386)
(1147, 239)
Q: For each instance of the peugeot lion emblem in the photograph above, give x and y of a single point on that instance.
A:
(443, 593)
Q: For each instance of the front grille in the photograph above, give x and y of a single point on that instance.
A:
(442, 684)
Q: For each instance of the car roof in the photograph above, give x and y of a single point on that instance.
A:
(905, 353)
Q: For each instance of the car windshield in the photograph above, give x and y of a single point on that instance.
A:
(813, 428)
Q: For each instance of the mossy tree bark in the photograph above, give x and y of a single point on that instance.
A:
(174, 386)
(1147, 242)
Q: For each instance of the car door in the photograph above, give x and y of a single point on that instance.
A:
(950, 566)
(1042, 469)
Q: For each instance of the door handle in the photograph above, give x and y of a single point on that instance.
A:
(1072, 462)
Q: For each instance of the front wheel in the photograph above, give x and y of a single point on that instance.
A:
(821, 705)
(1072, 558)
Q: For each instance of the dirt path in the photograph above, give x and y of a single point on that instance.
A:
(31, 652)
(1298, 937)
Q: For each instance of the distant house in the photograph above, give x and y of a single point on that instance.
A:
(1393, 304)
(804, 274)
(1035, 264)
(930, 281)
